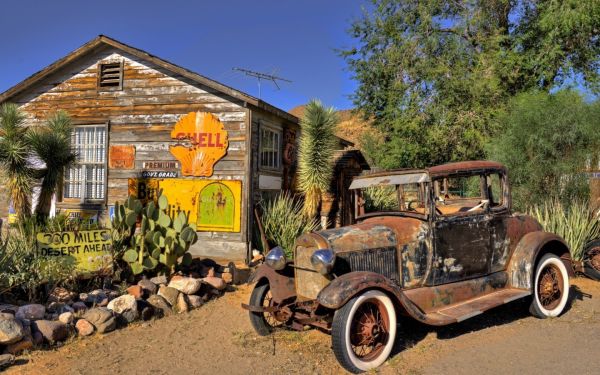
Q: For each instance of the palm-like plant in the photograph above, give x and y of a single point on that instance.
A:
(52, 144)
(14, 158)
(315, 154)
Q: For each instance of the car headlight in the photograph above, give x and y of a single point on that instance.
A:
(276, 259)
(323, 260)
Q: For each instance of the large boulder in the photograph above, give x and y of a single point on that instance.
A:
(160, 305)
(215, 282)
(195, 301)
(62, 295)
(33, 311)
(95, 298)
(148, 286)
(51, 330)
(126, 306)
(136, 291)
(102, 319)
(84, 328)
(159, 280)
(169, 294)
(6, 360)
(186, 285)
(182, 304)
(18, 347)
(11, 330)
(66, 317)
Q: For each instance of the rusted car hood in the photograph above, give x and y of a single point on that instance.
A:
(373, 233)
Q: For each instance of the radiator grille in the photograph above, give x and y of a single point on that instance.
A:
(383, 261)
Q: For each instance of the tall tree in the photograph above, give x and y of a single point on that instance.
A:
(315, 154)
(434, 75)
(52, 144)
(14, 158)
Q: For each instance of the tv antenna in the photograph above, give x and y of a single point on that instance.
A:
(260, 76)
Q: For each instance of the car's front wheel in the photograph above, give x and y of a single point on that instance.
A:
(551, 287)
(363, 331)
(263, 322)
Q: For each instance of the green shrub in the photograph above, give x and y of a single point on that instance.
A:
(283, 221)
(380, 198)
(24, 272)
(577, 223)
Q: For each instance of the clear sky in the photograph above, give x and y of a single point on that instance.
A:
(293, 39)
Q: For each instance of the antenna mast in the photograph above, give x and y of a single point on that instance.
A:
(260, 76)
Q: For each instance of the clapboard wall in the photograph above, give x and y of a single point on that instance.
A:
(143, 114)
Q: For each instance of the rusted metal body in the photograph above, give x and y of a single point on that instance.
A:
(437, 268)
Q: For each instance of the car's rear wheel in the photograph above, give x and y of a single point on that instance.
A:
(263, 322)
(551, 287)
(363, 331)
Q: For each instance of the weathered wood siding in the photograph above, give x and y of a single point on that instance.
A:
(143, 114)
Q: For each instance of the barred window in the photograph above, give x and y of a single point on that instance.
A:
(86, 179)
(270, 148)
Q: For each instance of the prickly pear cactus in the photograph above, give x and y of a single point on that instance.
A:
(160, 241)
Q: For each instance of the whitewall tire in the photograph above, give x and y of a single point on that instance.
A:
(550, 287)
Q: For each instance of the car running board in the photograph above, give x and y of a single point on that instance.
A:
(468, 309)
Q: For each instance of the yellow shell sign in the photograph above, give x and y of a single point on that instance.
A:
(203, 141)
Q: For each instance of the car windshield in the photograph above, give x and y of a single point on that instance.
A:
(410, 198)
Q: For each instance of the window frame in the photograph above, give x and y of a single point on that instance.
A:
(82, 199)
(443, 181)
(279, 149)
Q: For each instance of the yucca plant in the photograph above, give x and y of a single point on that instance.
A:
(14, 158)
(52, 144)
(315, 154)
(380, 198)
(283, 221)
(577, 224)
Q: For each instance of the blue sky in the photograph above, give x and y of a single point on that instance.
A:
(293, 39)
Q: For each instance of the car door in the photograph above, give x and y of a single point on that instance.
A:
(462, 230)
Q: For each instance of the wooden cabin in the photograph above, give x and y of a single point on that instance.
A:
(143, 125)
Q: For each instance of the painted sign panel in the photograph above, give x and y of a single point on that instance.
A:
(160, 165)
(203, 141)
(159, 174)
(121, 157)
(90, 249)
(83, 216)
(212, 205)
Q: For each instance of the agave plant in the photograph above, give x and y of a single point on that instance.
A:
(52, 144)
(315, 154)
(577, 224)
(283, 221)
(14, 158)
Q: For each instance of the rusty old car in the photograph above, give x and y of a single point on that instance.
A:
(438, 245)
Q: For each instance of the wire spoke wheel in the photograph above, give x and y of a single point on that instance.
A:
(264, 322)
(369, 330)
(594, 256)
(270, 318)
(550, 286)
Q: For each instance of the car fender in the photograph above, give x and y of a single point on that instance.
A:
(521, 269)
(343, 288)
(281, 282)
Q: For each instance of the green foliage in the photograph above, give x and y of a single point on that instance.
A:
(161, 243)
(546, 143)
(380, 198)
(23, 271)
(435, 75)
(14, 158)
(576, 222)
(283, 221)
(315, 154)
(52, 144)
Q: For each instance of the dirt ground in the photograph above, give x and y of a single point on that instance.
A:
(218, 338)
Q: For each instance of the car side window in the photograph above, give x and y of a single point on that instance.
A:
(460, 195)
(495, 186)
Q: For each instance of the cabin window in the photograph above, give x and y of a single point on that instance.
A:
(110, 75)
(86, 180)
(270, 148)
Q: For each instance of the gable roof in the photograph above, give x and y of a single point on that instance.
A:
(103, 40)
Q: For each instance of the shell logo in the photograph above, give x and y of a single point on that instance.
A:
(202, 141)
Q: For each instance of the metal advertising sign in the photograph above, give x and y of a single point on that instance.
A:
(121, 157)
(160, 165)
(89, 249)
(83, 216)
(203, 141)
(213, 205)
(159, 174)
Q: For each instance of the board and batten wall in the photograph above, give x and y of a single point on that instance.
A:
(143, 114)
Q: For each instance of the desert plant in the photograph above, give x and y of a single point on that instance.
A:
(283, 221)
(14, 158)
(315, 154)
(380, 198)
(23, 270)
(577, 223)
(52, 144)
(161, 243)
